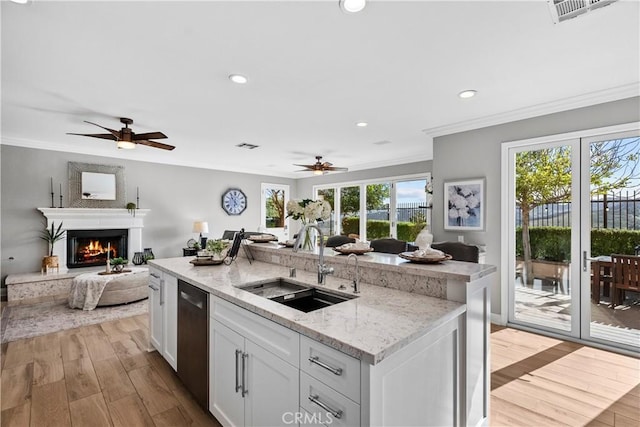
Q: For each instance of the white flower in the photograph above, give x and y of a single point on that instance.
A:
(309, 210)
(463, 213)
(458, 201)
(453, 213)
(465, 191)
(473, 202)
(326, 210)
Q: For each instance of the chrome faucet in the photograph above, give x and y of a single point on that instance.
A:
(356, 281)
(323, 270)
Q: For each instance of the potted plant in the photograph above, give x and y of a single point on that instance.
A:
(118, 264)
(218, 248)
(51, 236)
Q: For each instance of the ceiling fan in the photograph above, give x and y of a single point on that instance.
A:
(126, 138)
(320, 168)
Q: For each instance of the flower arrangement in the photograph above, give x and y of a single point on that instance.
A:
(464, 201)
(307, 210)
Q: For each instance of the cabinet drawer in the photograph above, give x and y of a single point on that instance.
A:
(275, 338)
(327, 403)
(332, 367)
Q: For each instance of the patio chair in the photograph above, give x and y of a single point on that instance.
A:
(338, 240)
(459, 251)
(626, 277)
(389, 246)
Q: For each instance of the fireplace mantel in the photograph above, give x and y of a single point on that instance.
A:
(96, 219)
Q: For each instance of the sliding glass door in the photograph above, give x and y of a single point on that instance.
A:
(571, 205)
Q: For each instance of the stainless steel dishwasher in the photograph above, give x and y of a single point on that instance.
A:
(193, 341)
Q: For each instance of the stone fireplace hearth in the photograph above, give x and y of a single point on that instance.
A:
(97, 219)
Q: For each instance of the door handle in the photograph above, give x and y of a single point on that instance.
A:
(238, 386)
(245, 356)
(162, 292)
(586, 258)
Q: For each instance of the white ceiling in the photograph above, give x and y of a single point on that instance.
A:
(314, 72)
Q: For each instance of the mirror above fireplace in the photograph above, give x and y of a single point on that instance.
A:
(96, 186)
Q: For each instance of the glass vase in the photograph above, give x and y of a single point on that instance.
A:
(309, 239)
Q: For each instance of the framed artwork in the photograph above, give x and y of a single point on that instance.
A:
(464, 205)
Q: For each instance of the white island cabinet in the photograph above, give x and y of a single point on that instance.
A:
(253, 367)
(163, 314)
(256, 377)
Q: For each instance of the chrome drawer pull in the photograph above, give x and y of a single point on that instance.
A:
(336, 371)
(314, 399)
(245, 356)
(154, 275)
(155, 288)
(238, 386)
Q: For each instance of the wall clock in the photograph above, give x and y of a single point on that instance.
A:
(234, 201)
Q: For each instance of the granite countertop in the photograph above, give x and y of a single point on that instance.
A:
(377, 323)
(455, 270)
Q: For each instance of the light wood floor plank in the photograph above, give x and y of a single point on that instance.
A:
(18, 416)
(16, 385)
(113, 379)
(129, 411)
(172, 417)
(154, 392)
(73, 347)
(90, 411)
(81, 379)
(19, 352)
(49, 406)
(129, 354)
(47, 367)
(98, 345)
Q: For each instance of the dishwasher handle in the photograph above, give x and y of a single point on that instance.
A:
(191, 300)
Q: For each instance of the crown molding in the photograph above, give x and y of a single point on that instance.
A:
(585, 100)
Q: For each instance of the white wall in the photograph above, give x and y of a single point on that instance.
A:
(477, 153)
(176, 195)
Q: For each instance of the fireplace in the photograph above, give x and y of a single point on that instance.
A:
(87, 248)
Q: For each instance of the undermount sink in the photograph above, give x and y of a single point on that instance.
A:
(295, 294)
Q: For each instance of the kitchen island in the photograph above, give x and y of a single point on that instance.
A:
(387, 357)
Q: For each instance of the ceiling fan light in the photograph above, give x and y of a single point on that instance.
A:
(352, 6)
(318, 172)
(126, 145)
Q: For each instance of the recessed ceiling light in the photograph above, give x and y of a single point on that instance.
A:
(467, 93)
(238, 78)
(352, 6)
(362, 124)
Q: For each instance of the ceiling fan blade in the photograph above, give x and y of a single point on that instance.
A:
(326, 165)
(113, 132)
(155, 144)
(310, 167)
(149, 135)
(96, 135)
(330, 168)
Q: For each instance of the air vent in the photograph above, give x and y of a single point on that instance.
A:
(561, 10)
(383, 142)
(247, 146)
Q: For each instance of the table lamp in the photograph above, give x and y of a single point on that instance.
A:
(201, 227)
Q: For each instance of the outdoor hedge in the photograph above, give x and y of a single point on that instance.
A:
(554, 243)
(377, 228)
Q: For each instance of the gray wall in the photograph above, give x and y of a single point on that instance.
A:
(477, 153)
(305, 185)
(176, 195)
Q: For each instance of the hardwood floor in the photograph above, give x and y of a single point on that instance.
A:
(103, 375)
(97, 375)
(541, 381)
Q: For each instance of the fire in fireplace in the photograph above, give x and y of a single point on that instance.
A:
(86, 248)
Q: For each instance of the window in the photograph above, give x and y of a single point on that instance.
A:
(396, 207)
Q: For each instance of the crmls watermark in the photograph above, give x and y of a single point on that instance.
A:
(307, 418)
